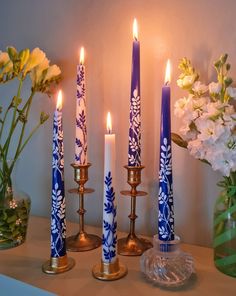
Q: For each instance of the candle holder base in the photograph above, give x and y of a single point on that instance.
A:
(166, 265)
(58, 265)
(83, 242)
(109, 271)
(133, 246)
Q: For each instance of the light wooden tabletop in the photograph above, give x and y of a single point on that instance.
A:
(24, 263)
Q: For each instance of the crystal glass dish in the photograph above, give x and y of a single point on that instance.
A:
(165, 263)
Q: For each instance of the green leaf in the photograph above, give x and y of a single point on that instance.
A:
(178, 140)
(11, 218)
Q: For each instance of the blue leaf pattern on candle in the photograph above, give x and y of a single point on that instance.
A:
(58, 222)
(166, 206)
(134, 155)
(81, 141)
(109, 237)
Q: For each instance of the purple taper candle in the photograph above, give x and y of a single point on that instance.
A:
(134, 152)
(166, 206)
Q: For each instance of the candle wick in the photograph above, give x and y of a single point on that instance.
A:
(167, 83)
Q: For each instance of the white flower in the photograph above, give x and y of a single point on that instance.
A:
(180, 106)
(209, 130)
(195, 148)
(214, 87)
(231, 92)
(199, 87)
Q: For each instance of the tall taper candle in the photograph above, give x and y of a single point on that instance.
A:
(58, 221)
(81, 128)
(134, 151)
(109, 237)
(166, 206)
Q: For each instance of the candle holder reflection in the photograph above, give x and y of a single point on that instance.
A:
(133, 245)
(82, 241)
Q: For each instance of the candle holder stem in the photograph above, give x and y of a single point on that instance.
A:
(82, 241)
(133, 245)
(133, 216)
(81, 210)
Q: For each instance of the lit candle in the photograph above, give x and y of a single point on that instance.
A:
(109, 237)
(58, 223)
(166, 206)
(134, 153)
(81, 128)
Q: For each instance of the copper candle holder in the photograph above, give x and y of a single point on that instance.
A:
(58, 264)
(82, 241)
(109, 271)
(133, 245)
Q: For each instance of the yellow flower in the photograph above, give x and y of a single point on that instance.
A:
(37, 72)
(5, 62)
(4, 58)
(36, 57)
(53, 71)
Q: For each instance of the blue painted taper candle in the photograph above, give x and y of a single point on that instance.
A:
(134, 153)
(58, 222)
(166, 206)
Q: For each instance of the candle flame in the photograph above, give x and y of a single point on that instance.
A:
(109, 125)
(59, 100)
(167, 76)
(81, 60)
(135, 30)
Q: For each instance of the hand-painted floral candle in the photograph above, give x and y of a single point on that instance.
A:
(58, 222)
(134, 153)
(81, 128)
(166, 206)
(109, 237)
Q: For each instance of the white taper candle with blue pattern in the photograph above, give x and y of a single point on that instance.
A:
(109, 236)
(81, 127)
(134, 150)
(58, 221)
(166, 205)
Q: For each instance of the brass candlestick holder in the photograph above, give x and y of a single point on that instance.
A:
(58, 265)
(133, 245)
(82, 241)
(109, 271)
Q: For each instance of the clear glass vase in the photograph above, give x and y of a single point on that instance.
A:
(224, 240)
(14, 213)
